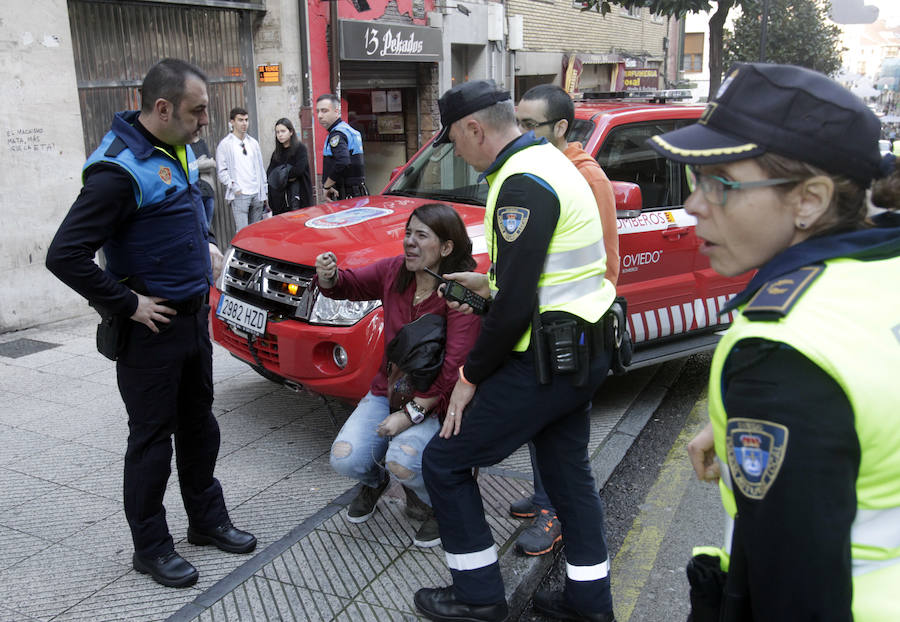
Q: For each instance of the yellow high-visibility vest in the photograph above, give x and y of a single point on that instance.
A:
(573, 276)
(846, 321)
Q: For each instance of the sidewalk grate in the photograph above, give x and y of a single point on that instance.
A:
(335, 570)
(17, 348)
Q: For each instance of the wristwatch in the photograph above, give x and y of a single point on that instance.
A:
(416, 413)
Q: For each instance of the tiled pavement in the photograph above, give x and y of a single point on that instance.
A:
(65, 550)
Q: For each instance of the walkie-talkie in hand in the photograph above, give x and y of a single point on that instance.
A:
(456, 292)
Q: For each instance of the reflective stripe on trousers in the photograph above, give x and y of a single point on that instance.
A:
(472, 561)
(588, 573)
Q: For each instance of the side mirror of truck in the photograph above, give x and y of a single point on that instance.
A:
(395, 172)
(628, 199)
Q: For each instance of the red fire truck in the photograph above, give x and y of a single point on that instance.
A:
(266, 312)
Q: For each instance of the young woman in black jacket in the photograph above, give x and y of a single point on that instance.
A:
(291, 189)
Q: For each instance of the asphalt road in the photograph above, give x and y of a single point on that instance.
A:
(656, 510)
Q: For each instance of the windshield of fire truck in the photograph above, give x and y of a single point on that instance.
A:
(435, 173)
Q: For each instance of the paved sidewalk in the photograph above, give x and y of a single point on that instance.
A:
(66, 549)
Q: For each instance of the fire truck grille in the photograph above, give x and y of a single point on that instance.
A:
(279, 287)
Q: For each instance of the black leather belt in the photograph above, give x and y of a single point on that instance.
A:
(188, 306)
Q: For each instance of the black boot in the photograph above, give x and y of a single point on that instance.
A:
(556, 605)
(440, 604)
(169, 569)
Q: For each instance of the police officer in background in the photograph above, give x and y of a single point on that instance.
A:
(546, 244)
(142, 204)
(344, 170)
(803, 387)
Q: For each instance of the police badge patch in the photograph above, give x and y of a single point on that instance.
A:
(512, 221)
(334, 140)
(755, 451)
(165, 174)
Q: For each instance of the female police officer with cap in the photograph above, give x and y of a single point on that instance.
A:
(803, 391)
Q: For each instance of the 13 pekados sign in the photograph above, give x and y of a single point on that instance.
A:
(385, 41)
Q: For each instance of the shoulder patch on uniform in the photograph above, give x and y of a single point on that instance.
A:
(334, 140)
(116, 147)
(776, 298)
(755, 451)
(512, 221)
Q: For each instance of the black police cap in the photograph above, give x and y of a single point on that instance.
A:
(464, 99)
(788, 110)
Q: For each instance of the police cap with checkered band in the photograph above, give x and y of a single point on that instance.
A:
(464, 99)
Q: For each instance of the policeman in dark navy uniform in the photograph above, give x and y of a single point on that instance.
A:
(344, 170)
(141, 202)
(545, 240)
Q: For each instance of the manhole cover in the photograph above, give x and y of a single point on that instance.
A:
(23, 347)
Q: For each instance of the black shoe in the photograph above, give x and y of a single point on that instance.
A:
(440, 604)
(555, 605)
(226, 537)
(363, 505)
(428, 534)
(523, 508)
(170, 569)
(416, 509)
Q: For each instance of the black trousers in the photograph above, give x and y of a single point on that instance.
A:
(509, 409)
(166, 383)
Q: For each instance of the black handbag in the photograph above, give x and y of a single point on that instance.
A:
(415, 356)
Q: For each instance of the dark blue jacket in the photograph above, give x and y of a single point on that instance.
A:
(343, 159)
(165, 243)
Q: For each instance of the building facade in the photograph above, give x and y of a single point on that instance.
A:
(558, 33)
(69, 65)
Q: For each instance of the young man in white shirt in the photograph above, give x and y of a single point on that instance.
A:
(239, 165)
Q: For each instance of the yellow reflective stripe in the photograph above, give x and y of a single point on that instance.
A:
(575, 258)
(875, 596)
(712, 551)
(588, 573)
(472, 561)
(181, 152)
(549, 295)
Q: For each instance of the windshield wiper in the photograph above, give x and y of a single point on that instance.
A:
(403, 193)
(448, 196)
